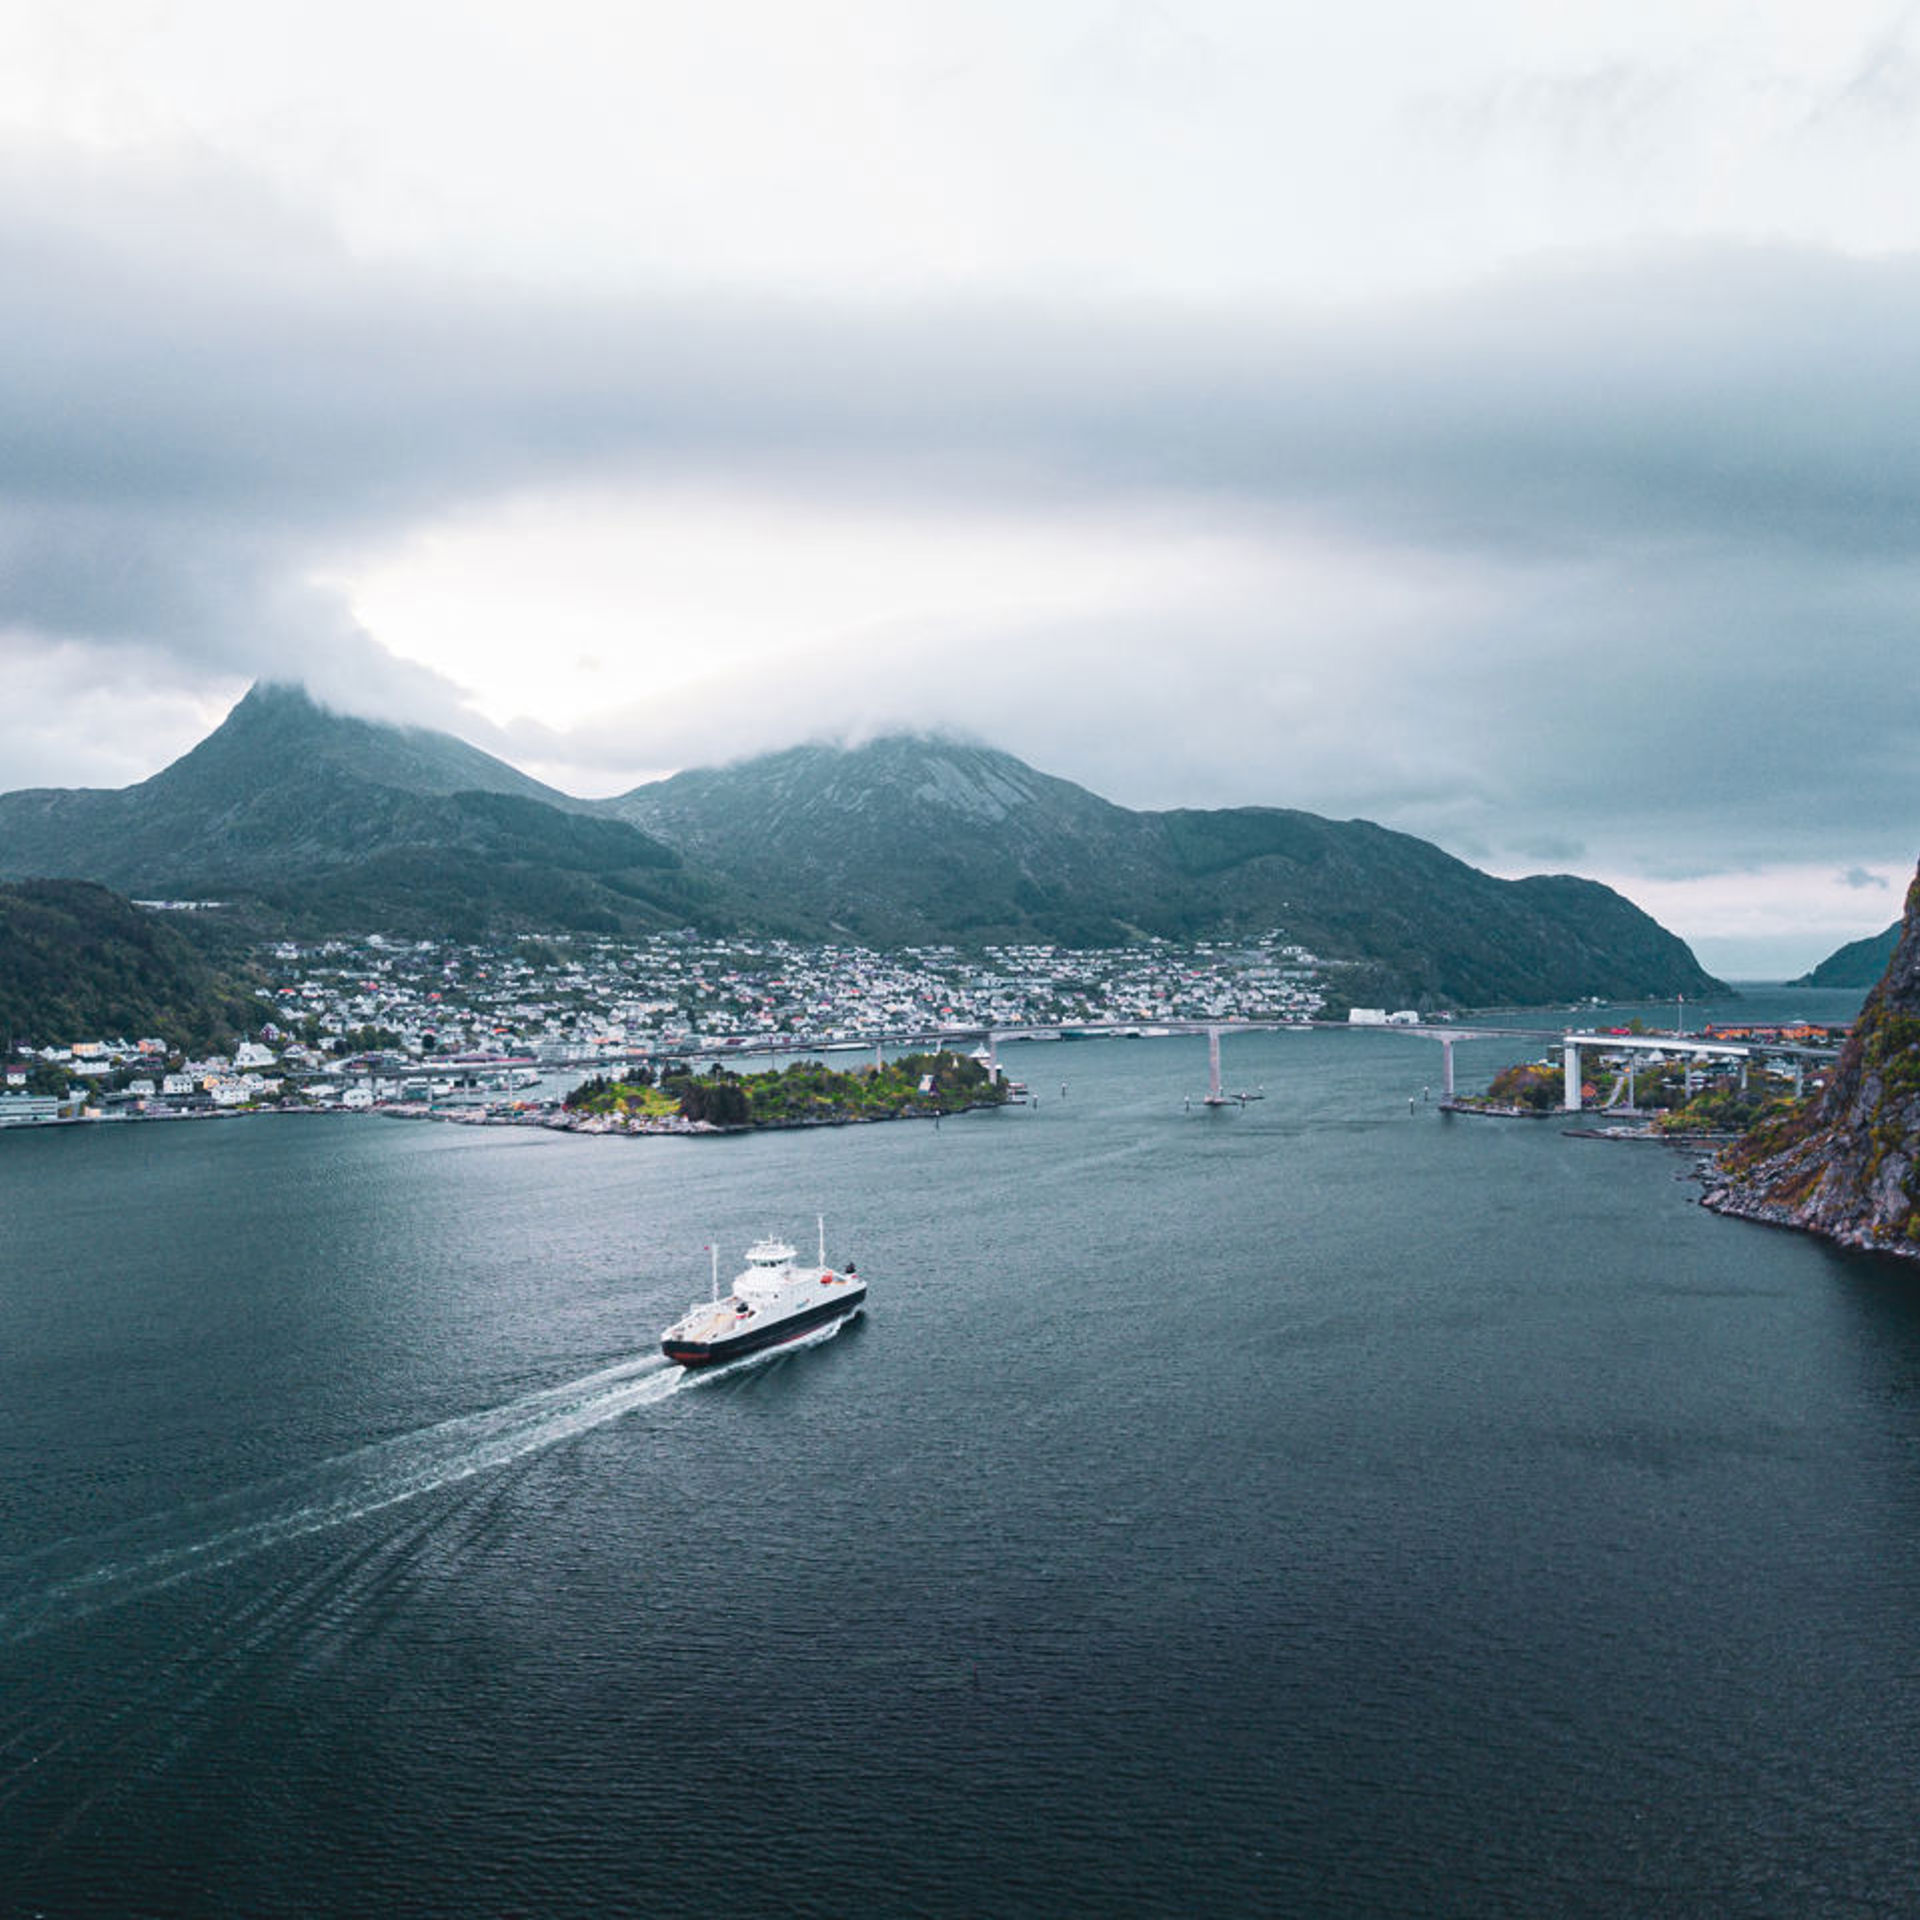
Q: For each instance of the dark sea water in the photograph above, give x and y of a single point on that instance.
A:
(1316, 1509)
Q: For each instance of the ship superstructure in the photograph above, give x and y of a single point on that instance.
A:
(772, 1300)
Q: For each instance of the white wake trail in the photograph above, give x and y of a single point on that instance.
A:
(134, 1561)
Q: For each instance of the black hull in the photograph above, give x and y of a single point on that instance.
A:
(711, 1353)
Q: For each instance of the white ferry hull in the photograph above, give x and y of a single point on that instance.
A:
(754, 1335)
(774, 1300)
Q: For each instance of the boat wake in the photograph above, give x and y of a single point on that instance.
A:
(75, 1578)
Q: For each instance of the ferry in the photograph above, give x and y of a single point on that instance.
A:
(771, 1302)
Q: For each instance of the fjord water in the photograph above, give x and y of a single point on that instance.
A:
(1317, 1508)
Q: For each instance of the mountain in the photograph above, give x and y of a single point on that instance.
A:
(314, 822)
(78, 962)
(330, 822)
(1846, 1164)
(1858, 964)
(909, 840)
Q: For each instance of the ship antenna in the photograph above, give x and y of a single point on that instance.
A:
(822, 1218)
(713, 1247)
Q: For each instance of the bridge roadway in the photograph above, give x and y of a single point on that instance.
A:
(1573, 1044)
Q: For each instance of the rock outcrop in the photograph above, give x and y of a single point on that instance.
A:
(1847, 1163)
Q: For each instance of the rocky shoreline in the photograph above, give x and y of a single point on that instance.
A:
(1737, 1204)
(1846, 1165)
(631, 1124)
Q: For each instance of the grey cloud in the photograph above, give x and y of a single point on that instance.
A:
(1688, 480)
(1860, 879)
(1549, 848)
(1675, 396)
(1884, 84)
(1617, 110)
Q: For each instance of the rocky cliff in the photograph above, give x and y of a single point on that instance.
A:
(1847, 1163)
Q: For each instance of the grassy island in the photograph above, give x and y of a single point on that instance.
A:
(803, 1094)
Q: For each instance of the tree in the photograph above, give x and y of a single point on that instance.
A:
(720, 1101)
(1528, 1085)
(587, 1093)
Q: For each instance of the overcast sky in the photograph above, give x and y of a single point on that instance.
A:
(1498, 421)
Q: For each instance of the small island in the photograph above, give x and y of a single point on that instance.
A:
(804, 1094)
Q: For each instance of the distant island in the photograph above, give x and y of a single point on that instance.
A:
(1860, 963)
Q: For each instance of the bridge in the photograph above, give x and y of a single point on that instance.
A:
(1691, 1050)
(1573, 1044)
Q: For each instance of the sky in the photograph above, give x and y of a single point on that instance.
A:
(1494, 421)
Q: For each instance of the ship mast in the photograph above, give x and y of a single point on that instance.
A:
(822, 1219)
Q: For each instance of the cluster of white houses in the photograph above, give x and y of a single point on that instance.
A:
(354, 1024)
(222, 1082)
(552, 997)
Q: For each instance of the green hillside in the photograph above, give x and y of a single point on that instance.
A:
(80, 963)
(1860, 963)
(312, 821)
(911, 840)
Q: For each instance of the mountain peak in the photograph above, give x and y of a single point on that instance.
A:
(278, 727)
(353, 822)
(912, 840)
(265, 695)
(936, 772)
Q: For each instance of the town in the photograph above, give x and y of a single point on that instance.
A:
(407, 1026)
